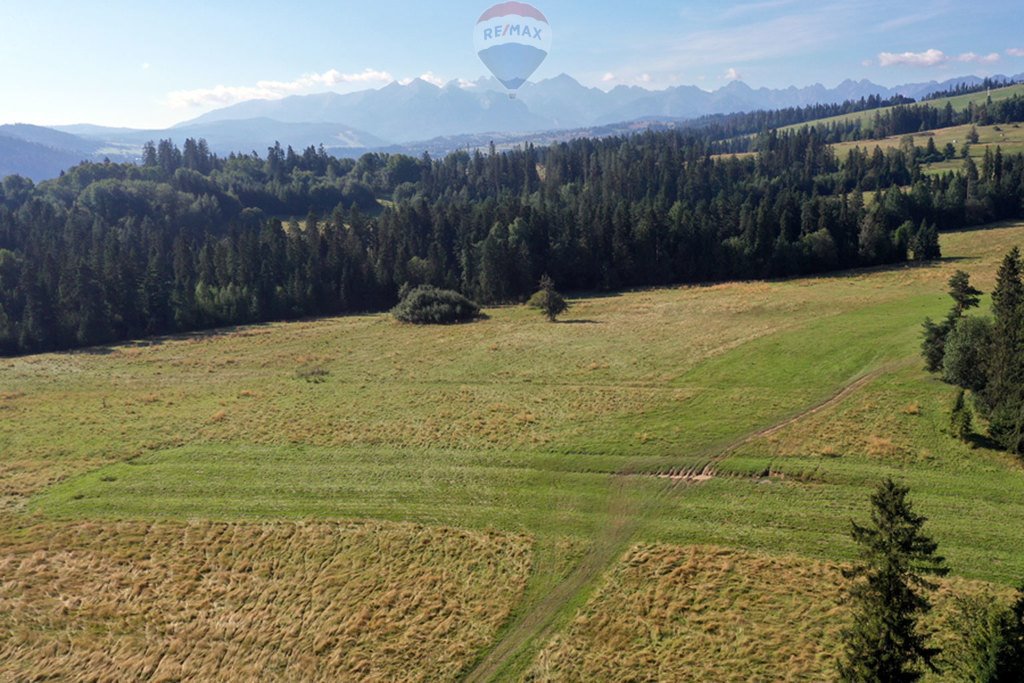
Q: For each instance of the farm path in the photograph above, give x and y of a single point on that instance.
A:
(538, 623)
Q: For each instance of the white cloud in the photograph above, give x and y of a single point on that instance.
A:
(934, 58)
(145, 66)
(223, 95)
(732, 74)
(971, 58)
(645, 78)
(926, 58)
(608, 77)
(1016, 52)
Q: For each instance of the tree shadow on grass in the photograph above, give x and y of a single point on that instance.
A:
(107, 349)
(984, 441)
(578, 322)
(884, 268)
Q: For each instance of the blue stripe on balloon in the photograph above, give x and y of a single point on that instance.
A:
(513, 63)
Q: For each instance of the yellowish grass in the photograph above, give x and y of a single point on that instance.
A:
(207, 601)
(706, 614)
(669, 613)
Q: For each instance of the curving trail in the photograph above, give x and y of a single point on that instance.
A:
(625, 514)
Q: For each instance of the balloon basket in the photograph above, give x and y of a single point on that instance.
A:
(512, 96)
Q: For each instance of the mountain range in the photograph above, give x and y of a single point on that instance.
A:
(418, 116)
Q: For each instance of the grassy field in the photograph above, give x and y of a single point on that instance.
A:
(1009, 137)
(204, 601)
(537, 441)
(703, 613)
(960, 103)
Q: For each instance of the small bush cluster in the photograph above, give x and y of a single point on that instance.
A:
(427, 305)
(314, 374)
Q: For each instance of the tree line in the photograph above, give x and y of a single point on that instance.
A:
(984, 355)
(188, 241)
(967, 89)
(915, 118)
(726, 126)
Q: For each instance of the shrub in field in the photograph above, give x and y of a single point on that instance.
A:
(314, 374)
(548, 301)
(432, 306)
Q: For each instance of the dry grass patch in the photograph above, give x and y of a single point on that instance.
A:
(692, 614)
(207, 601)
(705, 614)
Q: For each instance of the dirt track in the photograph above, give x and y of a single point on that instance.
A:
(624, 515)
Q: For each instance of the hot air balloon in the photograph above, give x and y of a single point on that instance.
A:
(512, 40)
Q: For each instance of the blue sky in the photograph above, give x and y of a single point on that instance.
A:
(152, 63)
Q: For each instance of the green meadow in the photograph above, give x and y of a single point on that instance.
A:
(792, 399)
(959, 103)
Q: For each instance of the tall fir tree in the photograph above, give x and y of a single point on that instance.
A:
(889, 593)
(1004, 397)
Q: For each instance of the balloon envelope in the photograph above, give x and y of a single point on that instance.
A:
(512, 40)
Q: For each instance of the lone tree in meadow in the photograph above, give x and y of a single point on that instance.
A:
(888, 593)
(548, 300)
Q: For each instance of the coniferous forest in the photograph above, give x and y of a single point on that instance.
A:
(188, 241)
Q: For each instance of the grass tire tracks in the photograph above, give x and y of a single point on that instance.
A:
(538, 622)
(716, 455)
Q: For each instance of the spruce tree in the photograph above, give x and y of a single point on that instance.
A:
(925, 243)
(964, 295)
(889, 593)
(1005, 394)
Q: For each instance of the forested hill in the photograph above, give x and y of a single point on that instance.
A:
(190, 241)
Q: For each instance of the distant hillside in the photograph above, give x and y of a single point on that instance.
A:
(34, 160)
(245, 135)
(959, 103)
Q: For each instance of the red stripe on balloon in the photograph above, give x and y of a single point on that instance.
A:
(519, 8)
